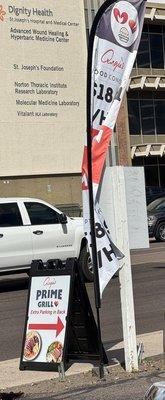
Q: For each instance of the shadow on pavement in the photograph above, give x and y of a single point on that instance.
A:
(13, 283)
(114, 356)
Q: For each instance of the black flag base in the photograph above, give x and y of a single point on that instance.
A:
(81, 340)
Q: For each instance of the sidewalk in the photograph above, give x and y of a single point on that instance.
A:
(10, 376)
(154, 254)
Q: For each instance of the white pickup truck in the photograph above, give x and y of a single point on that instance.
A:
(33, 229)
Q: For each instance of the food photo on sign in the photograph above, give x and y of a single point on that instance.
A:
(54, 352)
(33, 345)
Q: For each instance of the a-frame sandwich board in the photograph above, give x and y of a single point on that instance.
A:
(59, 326)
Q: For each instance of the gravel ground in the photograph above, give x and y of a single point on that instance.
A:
(151, 369)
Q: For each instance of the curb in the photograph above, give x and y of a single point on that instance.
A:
(11, 376)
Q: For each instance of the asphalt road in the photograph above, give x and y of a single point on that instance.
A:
(149, 296)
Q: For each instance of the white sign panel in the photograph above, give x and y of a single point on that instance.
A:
(134, 188)
(46, 323)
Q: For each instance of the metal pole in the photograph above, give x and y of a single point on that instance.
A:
(92, 220)
(94, 253)
(90, 186)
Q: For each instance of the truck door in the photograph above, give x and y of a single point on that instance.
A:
(15, 238)
(50, 238)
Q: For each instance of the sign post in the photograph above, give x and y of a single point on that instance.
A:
(128, 219)
(125, 273)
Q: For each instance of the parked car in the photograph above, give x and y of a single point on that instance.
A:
(33, 229)
(153, 193)
(156, 219)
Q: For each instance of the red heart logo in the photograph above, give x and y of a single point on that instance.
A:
(56, 303)
(132, 25)
(121, 18)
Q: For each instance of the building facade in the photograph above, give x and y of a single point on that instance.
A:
(42, 100)
(147, 112)
(140, 128)
(139, 137)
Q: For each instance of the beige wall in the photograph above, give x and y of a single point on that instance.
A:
(56, 190)
(42, 138)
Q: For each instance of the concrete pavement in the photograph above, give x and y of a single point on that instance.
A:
(10, 376)
(156, 253)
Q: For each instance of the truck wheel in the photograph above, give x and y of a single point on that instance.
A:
(160, 232)
(86, 265)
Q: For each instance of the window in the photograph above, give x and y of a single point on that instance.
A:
(134, 118)
(143, 58)
(41, 214)
(147, 117)
(151, 176)
(156, 45)
(146, 112)
(10, 215)
(160, 116)
(162, 175)
(150, 52)
(138, 161)
(151, 160)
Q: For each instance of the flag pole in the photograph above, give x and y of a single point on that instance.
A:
(99, 30)
(92, 226)
(90, 186)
